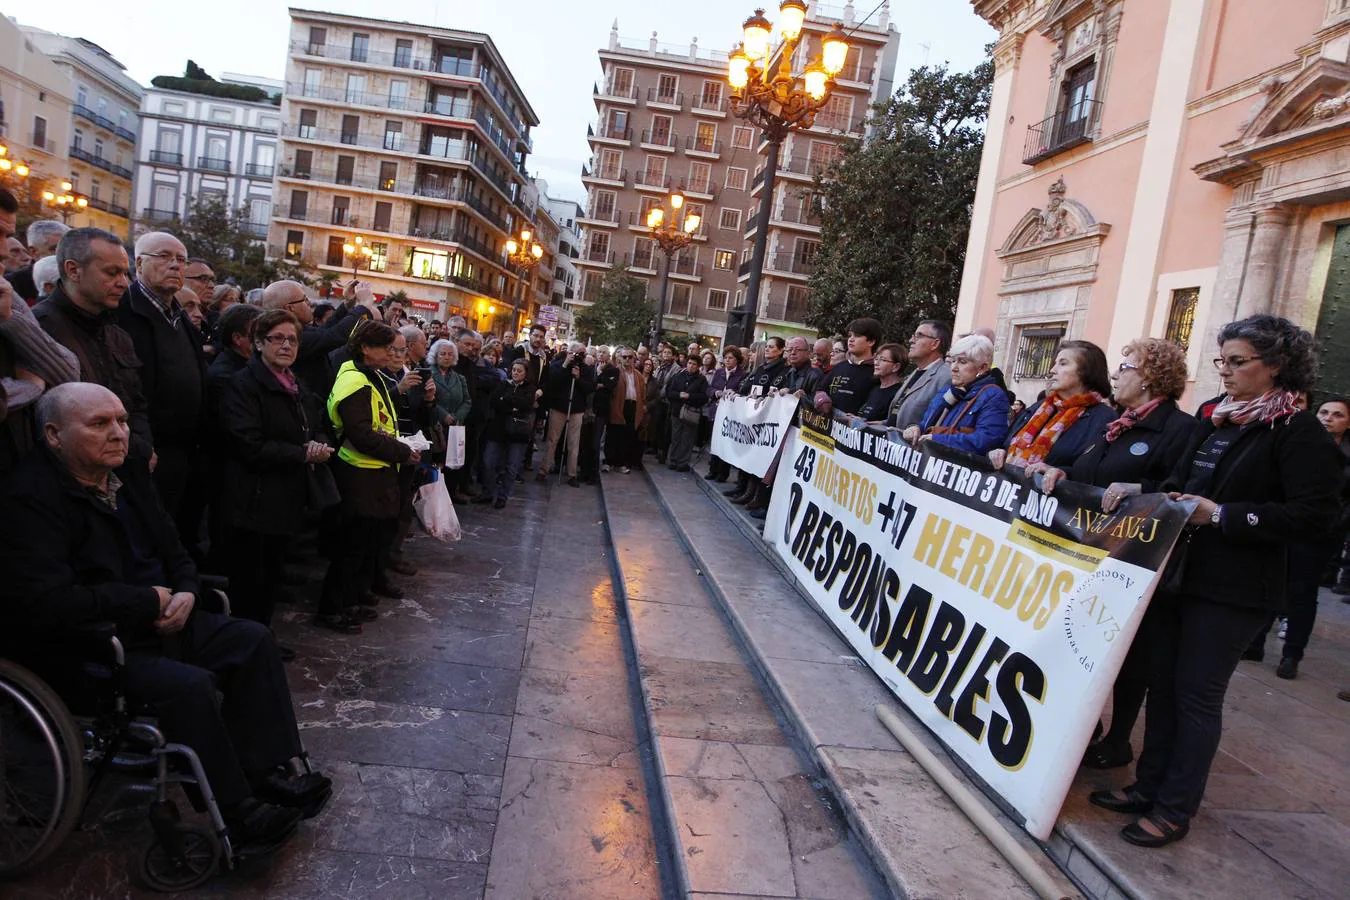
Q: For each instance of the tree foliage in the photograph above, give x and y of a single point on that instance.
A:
(222, 238)
(621, 313)
(195, 80)
(897, 208)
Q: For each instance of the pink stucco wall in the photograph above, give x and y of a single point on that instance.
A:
(1247, 37)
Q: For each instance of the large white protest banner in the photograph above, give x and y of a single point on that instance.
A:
(748, 431)
(999, 616)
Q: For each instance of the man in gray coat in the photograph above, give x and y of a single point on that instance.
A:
(928, 351)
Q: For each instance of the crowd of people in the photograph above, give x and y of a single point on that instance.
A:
(155, 425)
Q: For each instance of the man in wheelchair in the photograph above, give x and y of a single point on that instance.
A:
(86, 540)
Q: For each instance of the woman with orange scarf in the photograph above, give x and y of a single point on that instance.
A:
(1073, 414)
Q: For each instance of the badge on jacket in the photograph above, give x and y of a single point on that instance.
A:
(1139, 448)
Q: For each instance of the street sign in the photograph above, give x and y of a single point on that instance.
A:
(548, 315)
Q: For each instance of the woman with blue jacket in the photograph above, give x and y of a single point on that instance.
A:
(972, 414)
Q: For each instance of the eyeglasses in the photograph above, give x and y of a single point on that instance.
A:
(209, 279)
(172, 257)
(281, 340)
(1232, 362)
(920, 334)
(1125, 367)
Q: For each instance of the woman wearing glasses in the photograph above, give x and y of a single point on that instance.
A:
(972, 414)
(1261, 474)
(1135, 454)
(271, 424)
(1072, 415)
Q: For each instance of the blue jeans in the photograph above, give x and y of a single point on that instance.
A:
(502, 461)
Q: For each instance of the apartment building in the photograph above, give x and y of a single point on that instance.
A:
(201, 145)
(103, 128)
(664, 122)
(36, 96)
(413, 139)
(566, 276)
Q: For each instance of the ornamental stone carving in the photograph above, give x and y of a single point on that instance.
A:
(1054, 219)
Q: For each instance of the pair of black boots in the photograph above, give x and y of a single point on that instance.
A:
(753, 494)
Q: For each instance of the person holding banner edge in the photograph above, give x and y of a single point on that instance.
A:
(1073, 413)
(1134, 455)
(725, 380)
(972, 414)
(1261, 473)
(762, 379)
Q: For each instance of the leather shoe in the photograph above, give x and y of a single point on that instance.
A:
(1133, 804)
(254, 822)
(1103, 755)
(307, 793)
(735, 489)
(760, 500)
(572, 482)
(1287, 669)
(1137, 835)
(742, 499)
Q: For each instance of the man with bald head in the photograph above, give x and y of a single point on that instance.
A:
(312, 365)
(87, 541)
(173, 376)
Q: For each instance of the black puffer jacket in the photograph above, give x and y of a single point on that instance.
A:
(509, 398)
(767, 377)
(266, 429)
(1146, 454)
(562, 392)
(684, 382)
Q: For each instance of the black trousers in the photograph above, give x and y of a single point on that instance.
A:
(359, 545)
(621, 442)
(251, 731)
(407, 478)
(1307, 562)
(181, 478)
(1194, 646)
(254, 563)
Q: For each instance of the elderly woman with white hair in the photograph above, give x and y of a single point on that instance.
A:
(972, 414)
(452, 391)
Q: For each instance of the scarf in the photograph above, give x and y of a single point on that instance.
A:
(1118, 427)
(1052, 418)
(1270, 407)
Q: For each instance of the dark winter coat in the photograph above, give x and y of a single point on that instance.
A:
(1145, 454)
(368, 493)
(684, 382)
(722, 380)
(974, 420)
(767, 377)
(507, 399)
(314, 366)
(1079, 436)
(266, 429)
(173, 371)
(606, 377)
(562, 392)
(807, 378)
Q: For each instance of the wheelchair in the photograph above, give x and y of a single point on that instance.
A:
(54, 755)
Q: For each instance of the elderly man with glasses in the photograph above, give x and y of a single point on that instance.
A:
(927, 350)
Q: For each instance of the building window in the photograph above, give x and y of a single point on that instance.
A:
(680, 295)
(598, 248)
(39, 132)
(295, 243)
(621, 83)
(736, 178)
(351, 127)
(166, 198)
(1181, 316)
(602, 206)
(705, 138)
(259, 211)
(342, 207)
(317, 38)
(700, 177)
(78, 140)
(723, 259)
(429, 264)
(717, 298)
(642, 253)
(379, 255)
(308, 123)
(654, 171)
(304, 163)
(398, 94)
(222, 114)
(1036, 351)
(174, 108)
(697, 209)
(98, 148)
(795, 308)
(667, 88)
(742, 137)
(346, 166)
(661, 131)
(730, 219)
(312, 79)
(356, 88)
(82, 97)
(335, 257)
(611, 165)
(403, 53)
(388, 176)
(299, 204)
(711, 98)
(360, 47)
(393, 135)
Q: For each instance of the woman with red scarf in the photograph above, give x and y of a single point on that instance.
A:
(1135, 454)
(1261, 474)
(1075, 410)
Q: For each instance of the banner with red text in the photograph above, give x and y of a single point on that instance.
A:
(999, 616)
(749, 430)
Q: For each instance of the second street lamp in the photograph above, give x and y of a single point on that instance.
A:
(766, 93)
(524, 253)
(65, 201)
(672, 234)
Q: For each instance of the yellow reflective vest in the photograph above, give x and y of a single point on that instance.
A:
(350, 379)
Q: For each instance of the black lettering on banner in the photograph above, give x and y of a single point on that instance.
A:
(948, 626)
(890, 591)
(977, 688)
(762, 434)
(826, 563)
(846, 550)
(804, 532)
(863, 613)
(795, 495)
(853, 584)
(910, 620)
(817, 539)
(1010, 738)
(943, 701)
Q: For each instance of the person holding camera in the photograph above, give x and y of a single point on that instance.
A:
(568, 386)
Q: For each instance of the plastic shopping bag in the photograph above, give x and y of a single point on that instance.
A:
(436, 512)
(454, 446)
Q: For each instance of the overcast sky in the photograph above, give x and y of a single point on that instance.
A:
(550, 46)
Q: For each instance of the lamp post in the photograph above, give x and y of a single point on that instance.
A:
(672, 232)
(66, 201)
(12, 169)
(360, 254)
(524, 253)
(766, 93)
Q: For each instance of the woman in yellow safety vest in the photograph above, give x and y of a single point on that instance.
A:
(366, 471)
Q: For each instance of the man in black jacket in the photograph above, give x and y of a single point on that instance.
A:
(89, 542)
(567, 395)
(801, 377)
(314, 366)
(173, 377)
(80, 315)
(480, 383)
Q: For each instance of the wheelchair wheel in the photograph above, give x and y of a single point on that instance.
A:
(41, 770)
(186, 859)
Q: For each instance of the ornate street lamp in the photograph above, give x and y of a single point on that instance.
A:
(766, 93)
(673, 229)
(15, 169)
(66, 201)
(524, 253)
(359, 252)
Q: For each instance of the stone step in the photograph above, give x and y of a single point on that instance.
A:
(742, 806)
(922, 844)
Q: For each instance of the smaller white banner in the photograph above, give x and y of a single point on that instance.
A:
(749, 430)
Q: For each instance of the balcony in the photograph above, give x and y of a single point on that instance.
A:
(659, 98)
(701, 190)
(257, 229)
(684, 267)
(126, 135)
(96, 203)
(797, 214)
(696, 146)
(253, 170)
(213, 164)
(656, 181)
(103, 122)
(805, 167)
(607, 131)
(664, 141)
(299, 214)
(709, 106)
(451, 107)
(1067, 128)
(792, 308)
(608, 175)
(348, 97)
(106, 164)
(166, 158)
(611, 94)
(159, 215)
(611, 216)
(786, 261)
(596, 255)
